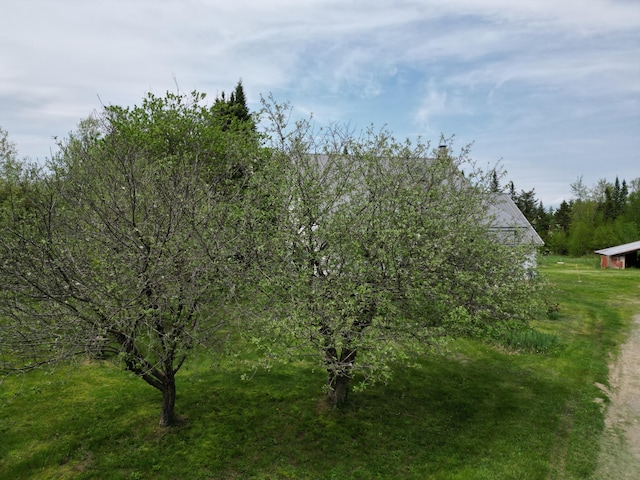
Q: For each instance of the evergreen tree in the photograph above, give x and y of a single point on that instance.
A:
(622, 192)
(238, 103)
(234, 112)
(562, 216)
(531, 208)
(495, 183)
(608, 207)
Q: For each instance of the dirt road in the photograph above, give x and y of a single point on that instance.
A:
(620, 449)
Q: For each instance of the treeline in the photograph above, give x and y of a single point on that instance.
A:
(601, 216)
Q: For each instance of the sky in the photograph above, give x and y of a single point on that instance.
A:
(549, 89)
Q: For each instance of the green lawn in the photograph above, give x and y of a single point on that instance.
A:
(480, 412)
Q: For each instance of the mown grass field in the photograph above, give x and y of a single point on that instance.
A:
(480, 412)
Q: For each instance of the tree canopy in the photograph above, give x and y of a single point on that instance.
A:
(358, 250)
(381, 248)
(128, 246)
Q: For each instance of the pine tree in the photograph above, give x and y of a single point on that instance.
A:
(495, 183)
(233, 111)
(238, 104)
(562, 216)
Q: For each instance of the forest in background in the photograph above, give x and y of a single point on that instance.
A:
(601, 216)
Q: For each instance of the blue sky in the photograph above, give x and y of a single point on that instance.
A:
(551, 89)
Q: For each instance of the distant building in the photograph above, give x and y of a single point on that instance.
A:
(507, 223)
(621, 256)
(511, 227)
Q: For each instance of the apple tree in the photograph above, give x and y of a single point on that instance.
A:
(130, 245)
(380, 249)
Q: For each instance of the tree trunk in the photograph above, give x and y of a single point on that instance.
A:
(167, 417)
(339, 369)
(338, 389)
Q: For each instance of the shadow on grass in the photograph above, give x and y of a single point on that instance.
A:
(481, 418)
(486, 415)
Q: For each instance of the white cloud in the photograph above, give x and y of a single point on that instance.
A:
(505, 73)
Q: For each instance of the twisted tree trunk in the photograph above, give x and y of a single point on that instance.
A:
(340, 375)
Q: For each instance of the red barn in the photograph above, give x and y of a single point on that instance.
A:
(622, 256)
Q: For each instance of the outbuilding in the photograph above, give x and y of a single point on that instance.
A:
(621, 256)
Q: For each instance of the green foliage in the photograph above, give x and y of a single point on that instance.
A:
(234, 111)
(379, 248)
(533, 209)
(129, 245)
(600, 217)
(606, 215)
(177, 125)
(529, 340)
(15, 182)
(9, 165)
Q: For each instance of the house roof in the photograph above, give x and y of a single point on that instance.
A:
(508, 220)
(619, 249)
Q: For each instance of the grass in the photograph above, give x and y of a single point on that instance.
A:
(479, 412)
(530, 340)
